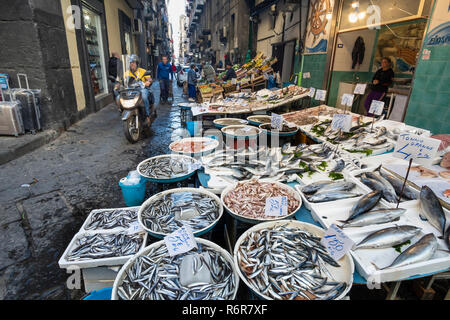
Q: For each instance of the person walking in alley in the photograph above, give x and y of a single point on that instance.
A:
(192, 82)
(231, 74)
(164, 74)
(114, 69)
(138, 74)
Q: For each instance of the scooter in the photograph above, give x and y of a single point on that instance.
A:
(129, 100)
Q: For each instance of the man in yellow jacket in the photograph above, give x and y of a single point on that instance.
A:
(138, 74)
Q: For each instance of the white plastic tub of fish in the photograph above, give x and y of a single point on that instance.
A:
(241, 132)
(172, 278)
(168, 168)
(373, 264)
(370, 179)
(274, 278)
(110, 219)
(169, 210)
(194, 147)
(224, 122)
(246, 200)
(101, 251)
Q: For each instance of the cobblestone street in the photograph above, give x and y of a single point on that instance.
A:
(67, 179)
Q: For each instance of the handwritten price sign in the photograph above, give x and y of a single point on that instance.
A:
(376, 107)
(180, 241)
(347, 99)
(320, 95)
(135, 227)
(276, 207)
(411, 146)
(306, 75)
(342, 122)
(277, 121)
(360, 88)
(312, 92)
(336, 242)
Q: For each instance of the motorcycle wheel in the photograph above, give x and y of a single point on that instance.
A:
(129, 127)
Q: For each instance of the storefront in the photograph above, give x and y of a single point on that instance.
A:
(95, 50)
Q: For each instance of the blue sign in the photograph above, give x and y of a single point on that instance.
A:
(439, 36)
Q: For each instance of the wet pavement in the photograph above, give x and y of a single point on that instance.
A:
(46, 195)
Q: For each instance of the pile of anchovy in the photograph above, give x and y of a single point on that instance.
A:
(166, 167)
(174, 210)
(156, 276)
(110, 219)
(99, 246)
(288, 264)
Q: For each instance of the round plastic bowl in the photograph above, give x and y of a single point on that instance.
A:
(122, 273)
(133, 195)
(212, 144)
(197, 233)
(218, 122)
(254, 120)
(171, 180)
(280, 134)
(341, 274)
(259, 220)
(226, 132)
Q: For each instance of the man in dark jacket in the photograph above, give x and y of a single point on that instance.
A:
(231, 74)
(164, 74)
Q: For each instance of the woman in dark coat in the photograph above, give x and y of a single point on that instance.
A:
(380, 83)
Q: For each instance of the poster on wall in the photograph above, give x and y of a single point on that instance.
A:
(439, 29)
(402, 45)
(319, 26)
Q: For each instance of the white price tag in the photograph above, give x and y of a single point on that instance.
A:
(277, 121)
(199, 110)
(266, 76)
(312, 92)
(233, 81)
(342, 121)
(411, 146)
(180, 241)
(360, 88)
(276, 207)
(306, 75)
(376, 107)
(347, 99)
(135, 227)
(320, 95)
(336, 242)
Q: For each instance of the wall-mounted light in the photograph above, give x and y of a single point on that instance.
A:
(361, 15)
(329, 16)
(353, 17)
(355, 4)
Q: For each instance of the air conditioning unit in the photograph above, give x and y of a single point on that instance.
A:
(137, 26)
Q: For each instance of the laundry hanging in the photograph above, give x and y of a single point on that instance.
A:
(358, 52)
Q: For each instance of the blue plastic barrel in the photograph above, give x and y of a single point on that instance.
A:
(192, 127)
(102, 294)
(134, 195)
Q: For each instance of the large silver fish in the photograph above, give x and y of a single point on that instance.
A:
(422, 250)
(313, 187)
(388, 190)
(337, 186)
(398, 184)
(331, 196)
(432, 209)
(366, 203)
(374, 217)
(388, 237)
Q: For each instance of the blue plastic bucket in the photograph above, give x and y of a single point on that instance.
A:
(134, 195)
(192, 127)
(102, 294)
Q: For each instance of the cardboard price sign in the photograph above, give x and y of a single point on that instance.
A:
(312, 92)
(276, 207)
(320, 95)
(135, 227)
(336, 242)
(347, 99)
(180, 241)
(360, 88)
(306, 75)
(376, 107)
(420, 149)
(342, 122)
